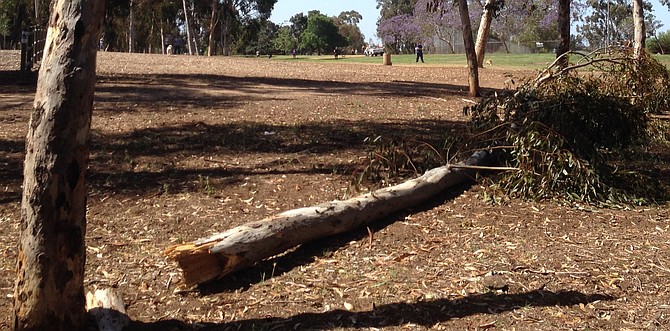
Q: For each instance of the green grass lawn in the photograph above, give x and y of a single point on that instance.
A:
(502, 60)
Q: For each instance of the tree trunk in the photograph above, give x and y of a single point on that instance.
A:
(225, 31)
(211, 48)
(469, 44)
(564, 32)
(162, 41)
(640, 33)
(188, 29)
(49, 289)
(483, 33)
(131, 28)
(221, 254)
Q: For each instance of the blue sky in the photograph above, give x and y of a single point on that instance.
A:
(661, 12)
(284, 9)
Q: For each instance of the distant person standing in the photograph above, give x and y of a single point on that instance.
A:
(419, 53)
(178, 43)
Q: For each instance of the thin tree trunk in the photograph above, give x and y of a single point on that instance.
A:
(131, 28)
(188, 29)
(211, 48)
(564, 31)
(226, 28)
(483, 33)
(469, 44)
(49, 289)
(238, 248)
(196, 45)
(162, 41)
(640, 32)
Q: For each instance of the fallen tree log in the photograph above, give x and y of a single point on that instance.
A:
(221, 254)
(107, 309)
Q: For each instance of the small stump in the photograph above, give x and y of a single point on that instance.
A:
(387, 59)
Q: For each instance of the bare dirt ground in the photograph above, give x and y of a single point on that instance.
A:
(184, 147)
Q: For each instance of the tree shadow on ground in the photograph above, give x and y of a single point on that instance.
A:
(14, 78)
(425, 313)
(154, 151)
(220, 91)
(284, 145)
(251, 137)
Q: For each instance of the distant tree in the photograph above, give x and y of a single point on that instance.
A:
(391, 8)
(235, 13)
(353, 35)
(285, 41)
(298, 25)
(599, 31)
(256, 35)
(347, 23)
(350, 17)
(659, 44)
(441, 20)
(399, 33)
(528, 21)
(5, 30)
(321, 34)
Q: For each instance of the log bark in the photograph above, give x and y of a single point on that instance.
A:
(241, 247)
(49, 289)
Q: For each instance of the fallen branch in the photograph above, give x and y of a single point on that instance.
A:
(241, 247)
(475, 167)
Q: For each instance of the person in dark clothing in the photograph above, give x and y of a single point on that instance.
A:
(419, 53)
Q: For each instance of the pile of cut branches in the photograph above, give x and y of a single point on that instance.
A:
(574, 133)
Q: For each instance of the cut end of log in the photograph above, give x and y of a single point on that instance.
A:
(198, 264)
(107, 309)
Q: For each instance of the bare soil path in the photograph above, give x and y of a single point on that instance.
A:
(188, 146)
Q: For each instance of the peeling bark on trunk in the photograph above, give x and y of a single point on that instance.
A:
(468, 42)
(241, 247)
(49, 289)
(640, 33)
(483, 33)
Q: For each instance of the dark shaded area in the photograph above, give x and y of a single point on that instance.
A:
(9, 78)
(189, 90)
(11, 170)
(111, 154)
(200, 139)
(424, 313)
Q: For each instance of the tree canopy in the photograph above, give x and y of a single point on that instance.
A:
(612, 22)
(321, 34)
